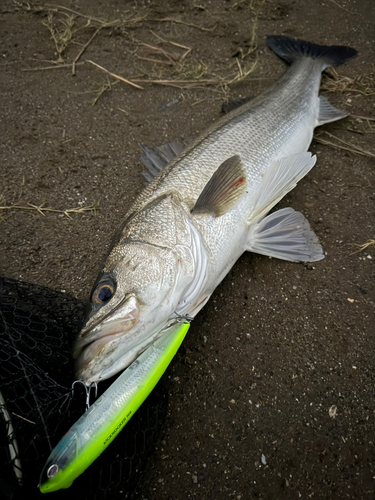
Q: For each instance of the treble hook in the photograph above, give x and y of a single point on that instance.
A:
(87, 391)
(182, 318)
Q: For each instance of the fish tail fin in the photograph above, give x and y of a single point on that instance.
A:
(292, 49)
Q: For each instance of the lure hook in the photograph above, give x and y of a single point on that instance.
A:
(93, 385)
(183, 318)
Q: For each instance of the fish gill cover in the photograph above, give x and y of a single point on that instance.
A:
(37, 404)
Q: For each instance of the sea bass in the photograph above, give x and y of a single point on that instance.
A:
(206, 206)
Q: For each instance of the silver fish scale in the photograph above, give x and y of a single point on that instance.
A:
(160, 223)
(160, 262)
(260, 132)
(257, 132)
(278, 123)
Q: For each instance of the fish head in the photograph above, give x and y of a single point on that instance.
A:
(130, 304)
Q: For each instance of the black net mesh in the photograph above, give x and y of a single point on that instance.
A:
(37, 404)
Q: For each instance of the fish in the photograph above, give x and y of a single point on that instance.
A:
(108, 415)
(205, 205)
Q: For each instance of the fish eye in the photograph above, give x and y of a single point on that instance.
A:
(103, 293)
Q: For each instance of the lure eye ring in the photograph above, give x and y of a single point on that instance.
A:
(103, 293)
(52, 471)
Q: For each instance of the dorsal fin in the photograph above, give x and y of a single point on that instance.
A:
(232, 104)
(223, 190)
(158, 157)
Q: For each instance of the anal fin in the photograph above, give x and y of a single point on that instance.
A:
(286, 235)
(223, 190)
(328, 113)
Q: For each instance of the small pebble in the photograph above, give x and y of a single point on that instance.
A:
(332, 412)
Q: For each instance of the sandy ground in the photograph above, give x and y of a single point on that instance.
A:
(272, 393)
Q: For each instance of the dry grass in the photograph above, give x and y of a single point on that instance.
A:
(357, 125)
(166, 62)
(46, 68)
(170, 64)
(179, 21)
(29, 6)
(347, 146)
(117, 77)
(341, 7)
(42, 209)
(177, 68)
(333, 82)
(364, 246)
(61, 30)
(254, 7)
(65, 25)
(104, 87)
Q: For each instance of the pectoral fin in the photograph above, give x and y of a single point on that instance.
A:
(286, 235)
(280, 178)
(223, 190)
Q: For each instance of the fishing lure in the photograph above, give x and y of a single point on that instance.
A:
(97, 428)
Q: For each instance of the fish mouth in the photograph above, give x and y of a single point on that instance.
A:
(100, 361)
(117, 323)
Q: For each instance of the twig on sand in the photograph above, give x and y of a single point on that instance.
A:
(352, 147)
(178, 21)
(41, 209)
(102, 26)
(102, 21)
(174, 83)
(361, 84)
(240, 75)
(57, 66)
(148, 59)
(368, 118)
(170, 58)
(116, 76)
(83, 49)
(369, 243)
(106, 86)
(179, 45)
(343, 8)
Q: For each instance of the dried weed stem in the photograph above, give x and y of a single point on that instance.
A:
(41, 209)
(348, 146)
(364, 246)
(361, 84)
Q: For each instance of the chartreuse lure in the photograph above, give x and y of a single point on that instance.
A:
(97, 428)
